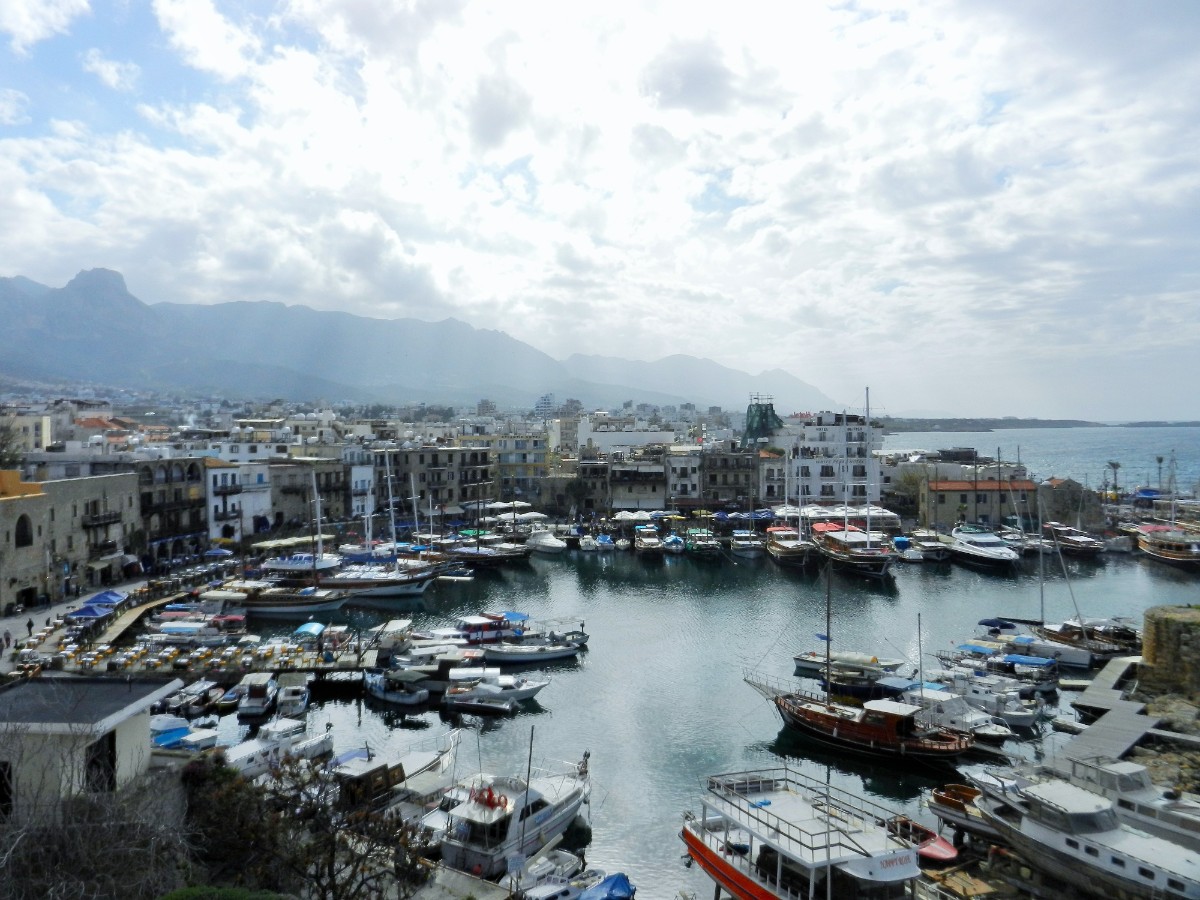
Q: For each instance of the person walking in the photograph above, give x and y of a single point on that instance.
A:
(7, 638)
(29, 625)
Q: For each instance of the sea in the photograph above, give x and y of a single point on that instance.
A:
(659, 700)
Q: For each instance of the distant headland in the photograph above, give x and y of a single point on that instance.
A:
(900, 424)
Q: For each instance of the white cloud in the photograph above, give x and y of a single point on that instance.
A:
(839, 191)
(13, 107)
(120, 76)
(30, 21)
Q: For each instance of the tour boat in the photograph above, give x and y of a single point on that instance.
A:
(1073, 541)
(1170, 544)
(851, 549)
(787, 548)
(774, 833)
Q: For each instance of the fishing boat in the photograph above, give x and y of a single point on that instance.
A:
(605, 543)
(467, 700)
(510, 815)
(701, 543)
(747, 544)
(294, 694)
(483, 628)
(532, 652)
(378, 778)
(931, 544)
(777, 833)
(954, 804)
(646, 541)
(674, 543)
(260, 693)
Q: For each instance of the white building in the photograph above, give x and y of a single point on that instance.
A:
(830, 459)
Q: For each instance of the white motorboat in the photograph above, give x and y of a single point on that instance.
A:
(260, 693)
(533, 652)
(778, 833)
(1075, 834)
(275, 741)
(506, 815)
(491, 682)
(994, 695)
(385, 779)
(811, 663)
(402, 687)
(605, 542)
(646, 540)
(934, 547)
(746, 544)
(588, 544)
(545, 541)
(946, 709)
(979, 546)
(294, 694)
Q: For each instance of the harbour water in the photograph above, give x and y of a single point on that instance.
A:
(659, 699)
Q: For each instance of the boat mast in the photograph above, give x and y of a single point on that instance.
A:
(317, 536)
(387, 467)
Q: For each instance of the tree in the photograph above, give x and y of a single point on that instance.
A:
(299, 833)
(12, 448)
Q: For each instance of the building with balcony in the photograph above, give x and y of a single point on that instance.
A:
(437, 479)
(638, 481)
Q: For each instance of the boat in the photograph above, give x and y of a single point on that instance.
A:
(587, 543)
(207, 694)
(880, 728)
(954, 804)
(787, 547)
(906, 550)
(812, 663)
(294, 694)
(494, 683)
(746, 544)
(466, 699)
(646, 540)
(623, 543)
(553, 873)
(977, 545)
(1075, 835)
(1073, 541)
(301, 564)
(265, 599)
(1030, 637)
(932, 848)
(399, 686)
(849, 548)
(276, 740)
(545, 541)
(373, 585)
(509, 815)
(1170, 544)
(260, 693)
(385, 779)
(944, 708)
(605, 543)
(533, 652)
(701, 543)
(995, 695)
(931, 544)
(777, 833)
(483, 628)
(674, 543)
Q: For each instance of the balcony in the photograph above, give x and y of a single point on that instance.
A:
(227, 515)
(224, 490)
(294, 489)
(97, 520)
(360, 492)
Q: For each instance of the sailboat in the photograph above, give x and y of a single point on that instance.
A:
(848, 547)
(880, 728)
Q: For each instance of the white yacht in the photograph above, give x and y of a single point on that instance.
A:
(977, 545)
(506, 816)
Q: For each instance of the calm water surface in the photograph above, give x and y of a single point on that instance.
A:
(659, 699)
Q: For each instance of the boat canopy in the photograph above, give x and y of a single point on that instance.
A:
(309, 630)
(404, 676)
(89, 612)
(1021, 660)
(614, 887)
(996, 623)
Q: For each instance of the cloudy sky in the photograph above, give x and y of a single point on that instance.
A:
(973, 208)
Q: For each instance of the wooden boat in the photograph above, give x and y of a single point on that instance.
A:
(465, 699)
(932, 848)
(1073, 541)
(787, 548)
(777, 833)
(955, 804)
(851, 549)
(880, 728)
(1170, 544)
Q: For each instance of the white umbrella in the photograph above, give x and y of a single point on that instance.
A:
(509, 504)
(531, 517)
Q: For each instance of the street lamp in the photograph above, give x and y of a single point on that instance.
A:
(1115, 466)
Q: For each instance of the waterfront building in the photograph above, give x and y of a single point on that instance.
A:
(600, 432)
(830, 458)
(729, 478)
(520, 460)
(239, 500)
(292, 490)
(447, 479)
(66, 738)
(988, 501)
(684, 467)
(61, 534)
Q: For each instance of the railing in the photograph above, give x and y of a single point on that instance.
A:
(95, 520)
(226, 515)
(225, 489)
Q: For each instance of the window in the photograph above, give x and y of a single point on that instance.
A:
(981, 498)
(962, 498)
(1148, 874)
(941, 498)
(24, 531)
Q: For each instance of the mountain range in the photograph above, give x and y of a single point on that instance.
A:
(94, 330)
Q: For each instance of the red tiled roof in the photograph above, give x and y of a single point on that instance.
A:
(982, 486)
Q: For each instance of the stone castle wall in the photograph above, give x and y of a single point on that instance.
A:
(1171, 650)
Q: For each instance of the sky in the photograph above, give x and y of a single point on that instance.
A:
(986, 209)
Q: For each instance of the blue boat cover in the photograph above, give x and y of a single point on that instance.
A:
(975, 648)
(309, 630)
(615, 887)
(1018, 659)
(515, 616)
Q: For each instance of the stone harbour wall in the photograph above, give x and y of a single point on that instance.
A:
(1171, 651)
